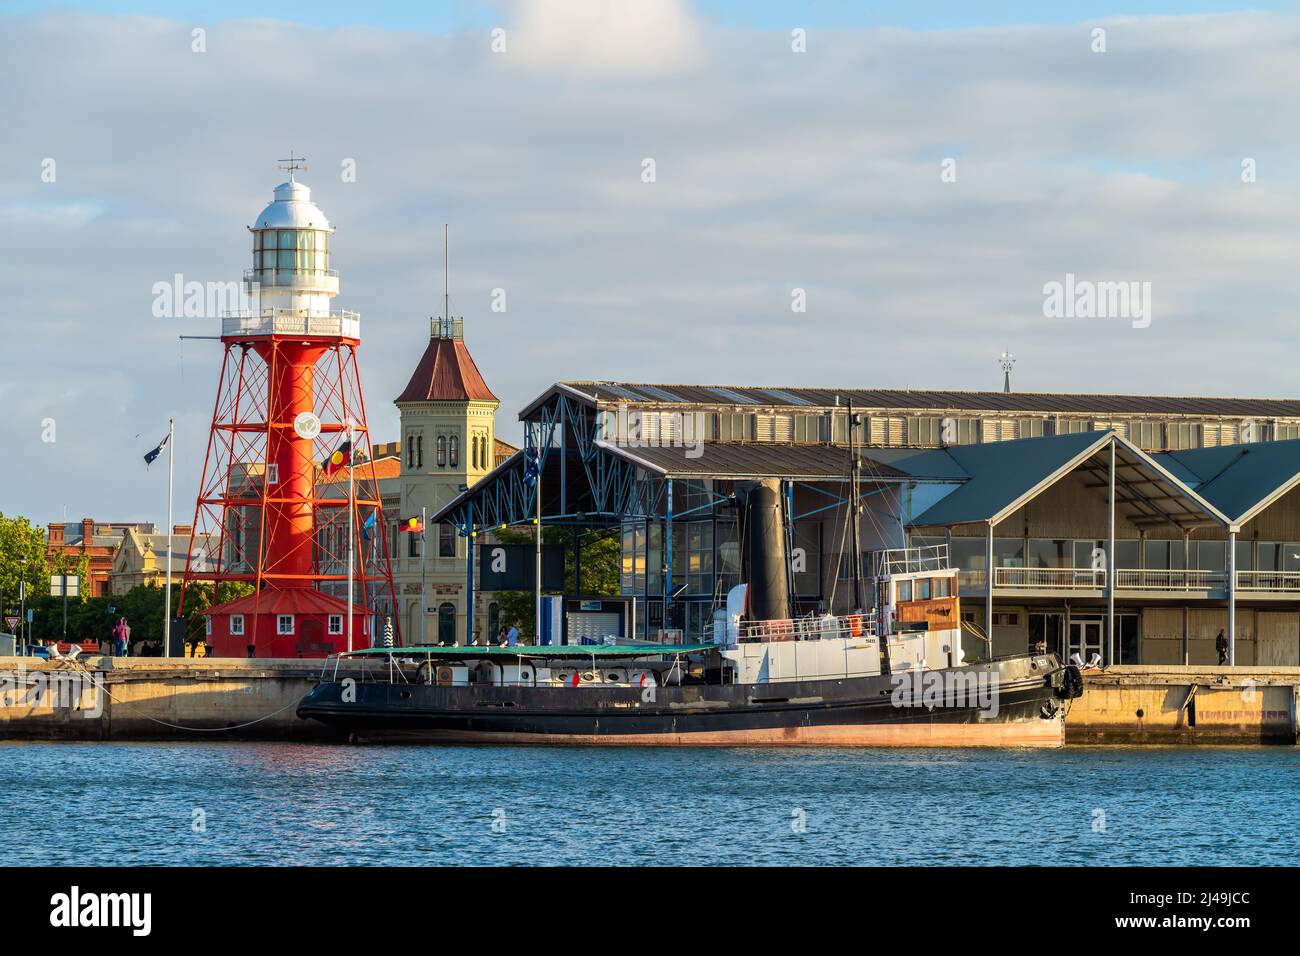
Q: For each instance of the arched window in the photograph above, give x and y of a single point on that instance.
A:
(446, 623)
(453, 451)
(442, 452)
(419, 451)
(410, 451)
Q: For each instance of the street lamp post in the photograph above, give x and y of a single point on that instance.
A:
(22, 606)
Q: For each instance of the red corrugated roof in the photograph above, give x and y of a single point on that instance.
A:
(446, 373)
(389, 466)
(285, 601)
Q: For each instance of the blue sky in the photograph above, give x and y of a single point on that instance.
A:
(441, 17)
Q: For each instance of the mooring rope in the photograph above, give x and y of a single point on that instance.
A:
(102, 684)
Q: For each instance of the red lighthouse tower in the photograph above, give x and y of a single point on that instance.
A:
(289, 504)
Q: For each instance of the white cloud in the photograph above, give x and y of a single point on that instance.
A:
(636, 37)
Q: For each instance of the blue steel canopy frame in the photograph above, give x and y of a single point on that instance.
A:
(588, 482)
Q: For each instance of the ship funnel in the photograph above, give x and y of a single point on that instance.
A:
(769, 591)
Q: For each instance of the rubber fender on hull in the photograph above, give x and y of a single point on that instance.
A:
(1071, 682)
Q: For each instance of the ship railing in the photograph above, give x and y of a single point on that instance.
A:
(825, 627)
(892, 561)
(387, 669)
(410, 666)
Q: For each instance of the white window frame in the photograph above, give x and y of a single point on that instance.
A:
(280, 620)
(334, 625)
(207, 624)
(236, 625)
(273, 473)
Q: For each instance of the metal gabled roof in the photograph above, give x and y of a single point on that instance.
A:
(274, 600)
(726, 460)
(1240, 480)
(954, 400)
(1003, 476)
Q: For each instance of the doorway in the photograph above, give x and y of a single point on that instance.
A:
(1047, 630)
(446, 623)
(1085, 637)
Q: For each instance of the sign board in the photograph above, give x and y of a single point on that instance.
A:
(512, 567)
(11, 622)
(306, 426)
(59, 581)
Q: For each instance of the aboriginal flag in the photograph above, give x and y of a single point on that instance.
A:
(340, 457)
(413, 525)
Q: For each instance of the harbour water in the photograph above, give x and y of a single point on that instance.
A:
(264, 804)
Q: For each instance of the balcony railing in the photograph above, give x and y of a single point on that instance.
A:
(272, 278)
(1268, 580)
(1053, 579)
(292, 322)
(1129, 579)
(1151, 579)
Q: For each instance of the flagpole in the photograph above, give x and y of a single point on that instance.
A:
(424, 604)
(171, 472)
(537, 609)
(352, 506)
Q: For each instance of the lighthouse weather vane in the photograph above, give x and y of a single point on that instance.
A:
(292, 163)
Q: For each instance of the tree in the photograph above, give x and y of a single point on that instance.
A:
(600, 553)
(199, 598)
(22, 558)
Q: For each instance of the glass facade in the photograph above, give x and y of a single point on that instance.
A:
(302, 251)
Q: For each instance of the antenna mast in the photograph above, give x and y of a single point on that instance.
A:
(443, 327)
(1008, 362)
(292, 164)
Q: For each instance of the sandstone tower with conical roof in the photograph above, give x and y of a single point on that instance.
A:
(448, 417)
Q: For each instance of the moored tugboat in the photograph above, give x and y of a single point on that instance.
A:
(896, 676)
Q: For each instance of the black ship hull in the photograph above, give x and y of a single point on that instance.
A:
(1022, 704)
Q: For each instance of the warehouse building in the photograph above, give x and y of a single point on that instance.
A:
(1132, 527)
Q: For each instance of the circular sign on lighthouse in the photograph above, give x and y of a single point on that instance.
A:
(306, 426)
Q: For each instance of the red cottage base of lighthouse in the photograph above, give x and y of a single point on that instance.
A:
(293, 622)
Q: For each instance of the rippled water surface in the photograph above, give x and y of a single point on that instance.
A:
(89, 804)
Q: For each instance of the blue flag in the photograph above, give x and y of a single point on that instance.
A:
(151, 456)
